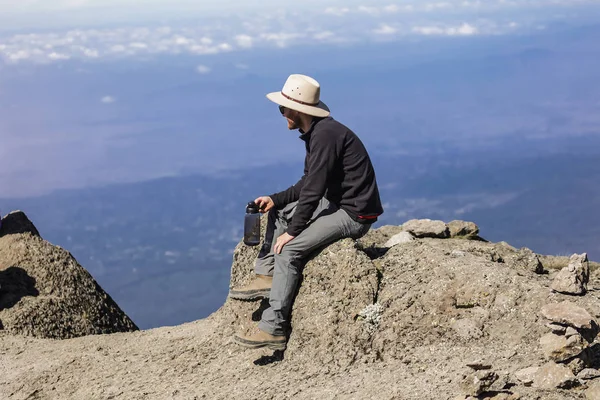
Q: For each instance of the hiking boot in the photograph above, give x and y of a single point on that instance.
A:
(259, 288)
(261, 339)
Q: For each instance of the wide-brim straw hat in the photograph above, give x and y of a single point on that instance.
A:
(301, 93)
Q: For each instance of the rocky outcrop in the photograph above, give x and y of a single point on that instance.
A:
(45, 293)
(415, 319)
(416, 292)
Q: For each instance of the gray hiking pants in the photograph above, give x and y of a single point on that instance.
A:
(328, 224)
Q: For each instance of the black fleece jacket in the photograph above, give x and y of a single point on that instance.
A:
(337, 167)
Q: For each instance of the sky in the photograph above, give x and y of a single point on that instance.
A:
(45, 32)
(97, 92)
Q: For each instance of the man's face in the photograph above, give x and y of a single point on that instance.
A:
(291, 116)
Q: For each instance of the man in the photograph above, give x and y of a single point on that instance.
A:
(336, 198)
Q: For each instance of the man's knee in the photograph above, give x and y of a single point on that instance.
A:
(289, 258)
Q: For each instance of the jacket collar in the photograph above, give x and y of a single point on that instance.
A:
(306, 135)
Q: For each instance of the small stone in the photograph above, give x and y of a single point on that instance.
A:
(525, 376)
(501, 383)
(402, 237)
(557, 328)
(573, 279)
(422, 228)
(479, 365)
(458, 253)
(478, 382)
(463, 229)
(561, 348)
(551, 376)
(577, 364)
(467, 329)
(567, 313)
(589, 373)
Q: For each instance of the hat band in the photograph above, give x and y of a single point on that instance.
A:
(299, 101)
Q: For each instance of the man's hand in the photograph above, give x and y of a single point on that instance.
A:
(265, 203)
(282, 241)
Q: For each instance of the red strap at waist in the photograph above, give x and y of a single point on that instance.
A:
(367, 216)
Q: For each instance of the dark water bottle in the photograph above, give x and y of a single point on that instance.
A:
(252, 225)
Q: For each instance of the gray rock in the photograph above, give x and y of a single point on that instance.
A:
(589, 373)
(526, 375)
(573, 279)
(46, 293)
(478, 365)
(593, 391)
(338, 283)
(528, 260)
(17, 222)
(422, 228)
(577, 364)
(478, 382)
(552, 376)
(467, 329)
(570, 331)
(569, 314)
(402, 237)
(561, 348)
(557, 328)
(458, 253)
(463, 229)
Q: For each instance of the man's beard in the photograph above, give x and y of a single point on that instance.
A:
(293, 123)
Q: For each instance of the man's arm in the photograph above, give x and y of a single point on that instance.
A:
(322, 159)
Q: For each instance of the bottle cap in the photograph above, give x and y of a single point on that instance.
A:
(252, 208)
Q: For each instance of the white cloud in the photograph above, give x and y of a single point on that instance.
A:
(244, 41)
(368, 10)
(393, 8)
(58, 56)
(323, 35)
(107, 100)
(428, 30)
(462, 30)
(437, 6)
(341, 11)
(18, 56)
(282, 39)
(91, 53)
(203, 69)
(242, 66)
(385, 29)
(356, 22)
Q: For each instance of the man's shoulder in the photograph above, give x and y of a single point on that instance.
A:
(331, 125)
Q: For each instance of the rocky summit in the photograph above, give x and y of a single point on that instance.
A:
(45, 293)
(427, 310)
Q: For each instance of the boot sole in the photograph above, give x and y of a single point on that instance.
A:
(253, 295)
(256, 345)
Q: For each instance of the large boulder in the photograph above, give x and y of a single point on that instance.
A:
(45, 293)
(329, 317)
